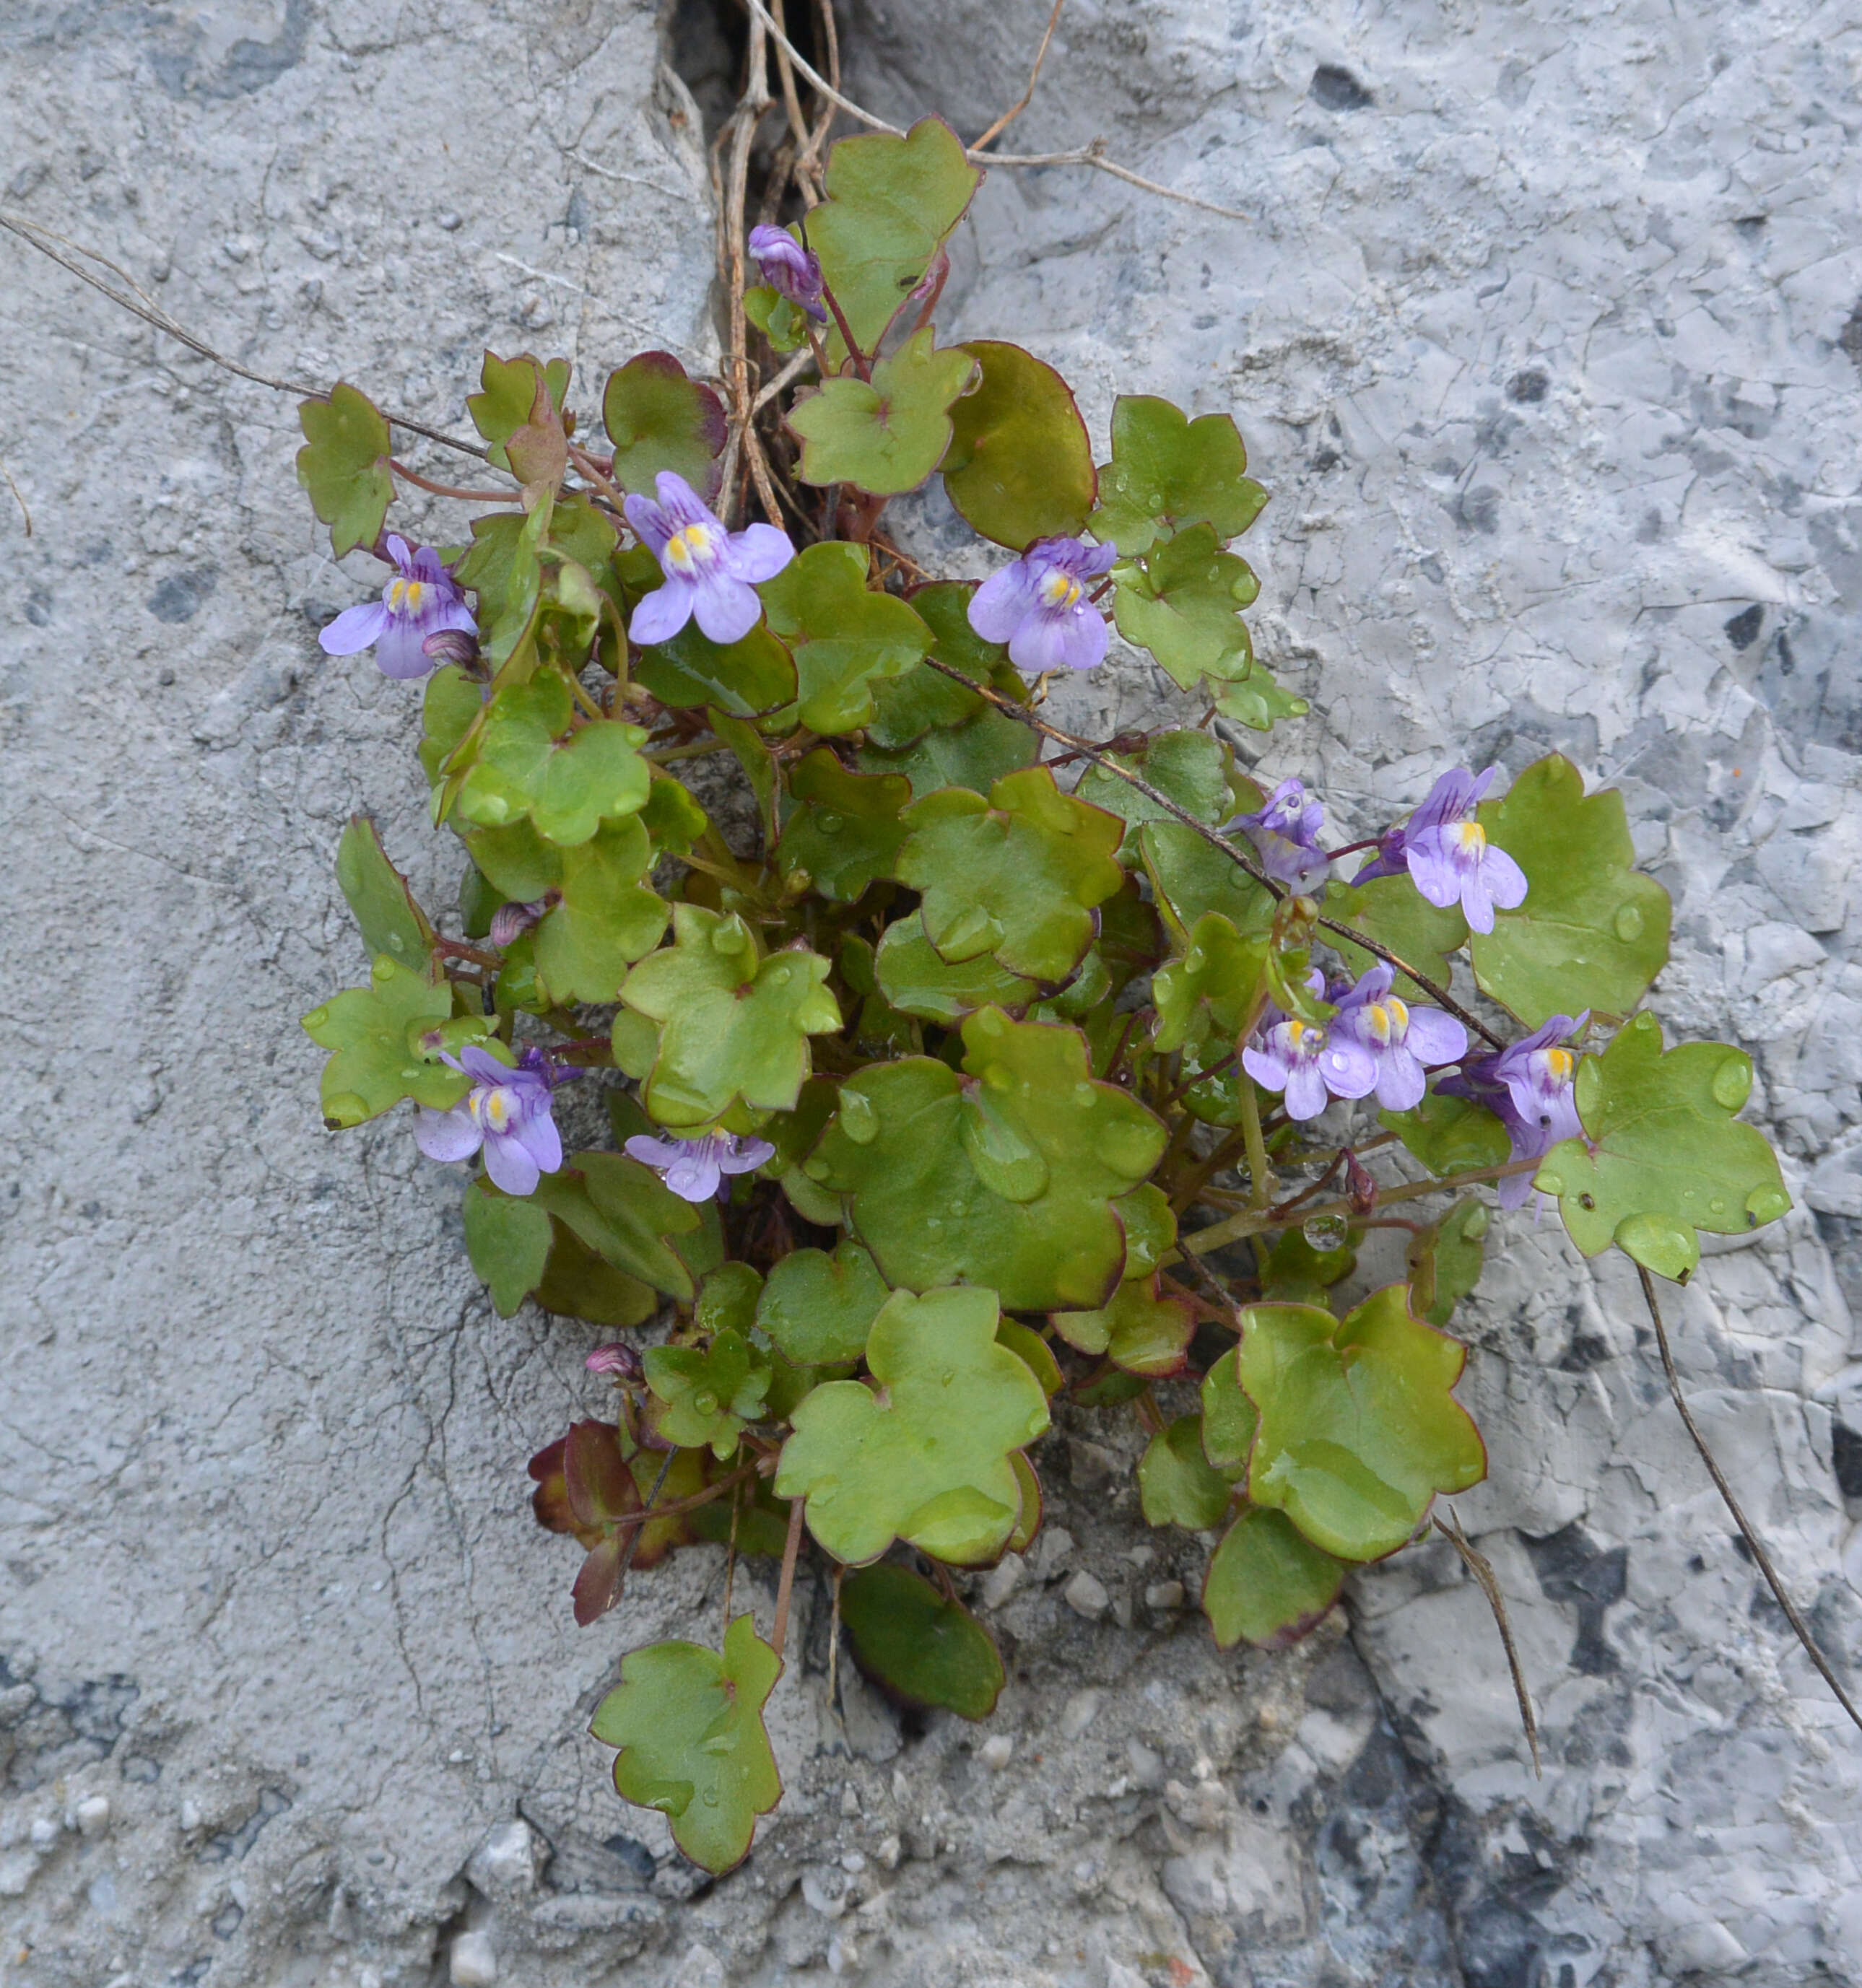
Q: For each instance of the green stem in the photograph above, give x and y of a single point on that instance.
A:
(1261, 1178)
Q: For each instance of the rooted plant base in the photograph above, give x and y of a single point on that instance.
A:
(1220, 1875)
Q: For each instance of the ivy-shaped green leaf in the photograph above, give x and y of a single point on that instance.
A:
(1293, 1272)
(920, 1647)
(376, 1059)
(1021, 466)
(1016, 877)
(1210, 992)
(1008, 1179)
(842, 635)
(391, 921)
(1192, 768)
(783, 324)
(657, 418)
(927, 1461)
(891, 201)
(1394, 912)
(1191, 879)
(1445, 1260)
(732, 1027)
(885, 435)
(577, 1283)
(689, 1725)
(530, 764)
(449, 708)
(631, 1219)
(1168, 472)
(916, 979)
(847, 831)
(504, 568)
(746, 678)
(708, 1393)
(1267, 1583)
(507, 1238)
(727, 1302)
(1662, 1155)
(508, 397)
(1593, 932)
(1450, 1135)
(974, 754)
(906, 707)
(1359, 1430)
(1230, 1419)
(1150, 1228)
(343, 464)
(1256, 700)
(1184, 603)
(1176, 1485)
(818, 1309)
(1138, 1329)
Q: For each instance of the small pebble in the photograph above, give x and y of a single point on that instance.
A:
(1079, 1712)
(1002, 1580)
(996, 1752)
(1085, 1595)
(889, 1852)
(44, 1833)
(850, 1799)
(853, 1863)
(1162, 1595)
(472, 1962)
(191, 1814)
(93, 1814)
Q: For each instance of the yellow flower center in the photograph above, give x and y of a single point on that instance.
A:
(1388, 1018)
(1560, 1064)
(405, 597)
(1473, 836)
(1059, 590)
(687, 551)
(492, 1111)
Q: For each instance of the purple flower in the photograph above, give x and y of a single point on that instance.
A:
(709, 570)
(693, 1169)
(615, 1358)
(506, 1111)
(422, 599)
(789, 268)
(1037, 605)
(1306, 1062)
(1447, 851)
(1285, 835)
(1529, 1087)
(510, 922)
(1400, 1039)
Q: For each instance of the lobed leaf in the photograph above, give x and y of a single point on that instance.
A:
(733, 1027)
(847, 832)
(1358, 1430)
(343, 464)
(391, 921)
(916, 979)
(1450, 1135)
(1176, 1485)
(1267, 1583)
(1394, 912)
(819, 1309)
(746, 678)
(885, 435)
(689, 1725)
(926, 1460)
(1016, 877)
(1168, 472)
(657, 418)
(507, 1239)
(507, 400)
(1592, 933)
(1663, 1156)
(376, 1058)
(532, 764)
(1006, 1177)
(1184, 604)
(843, 636)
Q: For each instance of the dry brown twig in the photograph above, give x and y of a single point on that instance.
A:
(1482, 1569)
(1027, 95)
(785, 1585)
(1792, 1614)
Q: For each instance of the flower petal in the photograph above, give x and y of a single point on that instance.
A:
(479, 1062)
(663, 613)
(1305, 1092)
(758, 552)
(1400, 1082)
(1266, 1065)
(355, 629)
(726, 609)
(659, 1154)
(401, 553)
(537, 1134)
(447, 1135)
(652, 526)
(749, 1155)
(509, 1165)
(694, 1175)
(1432, 870)
(1435, 1037)
(1004, 601)
(399, 652)
(681, 503)
(1506, 882)
(1349, 1068)
(1045, 642)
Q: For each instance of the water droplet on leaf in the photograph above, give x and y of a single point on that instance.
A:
(858, 1119)
(1732, 1082)
(829, 823)
(1628, 922)
(1325, 1232)
(1766, 1204)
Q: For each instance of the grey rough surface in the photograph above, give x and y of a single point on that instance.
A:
(1547, 343)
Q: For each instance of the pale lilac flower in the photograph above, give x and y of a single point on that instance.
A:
(1448, 854)
(1309, 1064)
(1530, 1087)
(789, 268)
(694, 1168)
(423, 599)
(506, 1112)
(1285, 835)
(709, 570)
(510, 922)
(1400, 1040)
(1038, 604)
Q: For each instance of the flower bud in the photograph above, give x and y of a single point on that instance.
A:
(617, 1359)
